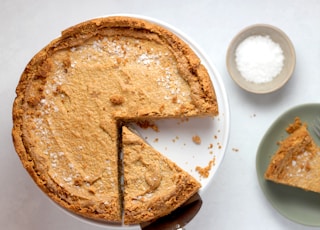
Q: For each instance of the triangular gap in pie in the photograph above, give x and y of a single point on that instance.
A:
(154, 186)
(297, 161)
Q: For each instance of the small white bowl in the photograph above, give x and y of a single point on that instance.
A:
(277, 36)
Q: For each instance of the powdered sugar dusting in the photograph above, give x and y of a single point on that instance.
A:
(300, 166)
(172, 85)
(148, 59)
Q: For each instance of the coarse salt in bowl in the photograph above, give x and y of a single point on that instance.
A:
(261, 58)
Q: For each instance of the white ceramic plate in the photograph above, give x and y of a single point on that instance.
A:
(174, 138)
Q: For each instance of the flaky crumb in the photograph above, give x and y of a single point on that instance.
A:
(294, 126)
(204, 172)
(196, 139)
(183, 119)
(116, 99)
(174, 99)
(145, 124)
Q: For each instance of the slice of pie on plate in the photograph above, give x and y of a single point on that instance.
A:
(154, 186)
(297, 161)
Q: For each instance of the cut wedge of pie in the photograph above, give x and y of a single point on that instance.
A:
(297, 161)
(154, 186)
(76, 92)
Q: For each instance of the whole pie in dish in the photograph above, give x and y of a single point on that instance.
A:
(75, 95)
(297, 160)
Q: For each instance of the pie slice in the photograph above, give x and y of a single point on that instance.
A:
(154, 186)
(297, 161)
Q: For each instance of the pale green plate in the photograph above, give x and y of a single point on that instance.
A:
(295, 204)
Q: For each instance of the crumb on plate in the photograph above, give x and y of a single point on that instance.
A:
(196, 139)
(204, 172)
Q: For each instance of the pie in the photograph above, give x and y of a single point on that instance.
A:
(154, 186)
(297, 161)
(75, 95)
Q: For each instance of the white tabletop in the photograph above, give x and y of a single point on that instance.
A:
(234, 200)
